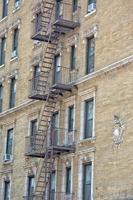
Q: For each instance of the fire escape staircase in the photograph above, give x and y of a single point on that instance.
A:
(40, 90)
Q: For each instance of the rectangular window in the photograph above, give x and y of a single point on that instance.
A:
(75, 5)
(88, 123)
(6, 190)
(38, 22)
(12, 93)
(73, 58)
(17, 4)
(70, 118)
(87, 177)
(68, 180)
(36, 73)
(9, 141)
(90, 55)
(54, 129)
(91, 6)
(1, 97)
(33, 127)
(2, 51)
(15, 43)
(52, 186)
(31, 186)
(57, 69)
(5, 8)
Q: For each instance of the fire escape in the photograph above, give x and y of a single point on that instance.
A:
(53, 20)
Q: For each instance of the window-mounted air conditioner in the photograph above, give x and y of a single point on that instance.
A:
(91, 7)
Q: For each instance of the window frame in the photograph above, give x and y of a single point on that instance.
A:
(85, 165)
(4, 189)
(86, 116)
(70, 118)
(90, 67)
(29, 178)
(2, 50)
(89, 2)
(12, 96)
(1, 97)
(73, 58)
(68, 180)
(7, 142)
(4, 8)
(15, 42)
(74, 6)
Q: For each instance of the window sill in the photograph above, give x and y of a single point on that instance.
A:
(14, 59)
(4, 19)
(3, 65)
(90, 140)
(7, 162)
(90, 13)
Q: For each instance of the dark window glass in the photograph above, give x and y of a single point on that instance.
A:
(73, 57)
(90, 55)
(33, 127)
(68, 180)
(9, 142)
(59, 10)
(15, 42)
(87, 176)
(88, 126)
(70, 118)
(36, 73)
(91, 6)
(57, 69)
(54, 129)
(5, 8)
(75, 5)
(1, 97)
(52, 186)
(31, 186)
(38, 22)
(2, 51)
(12, 93)
(6, 190)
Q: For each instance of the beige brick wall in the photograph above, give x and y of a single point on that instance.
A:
(112, 26)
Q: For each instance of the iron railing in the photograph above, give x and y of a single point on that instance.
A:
(56, 137)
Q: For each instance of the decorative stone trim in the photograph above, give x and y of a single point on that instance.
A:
(2, 80)
(93, 30)
(15, 24)
(14, 73)
(3, 33)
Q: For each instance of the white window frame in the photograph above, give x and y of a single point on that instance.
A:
(86, 95)
(3, 187)
(69, 102)
(80, 178)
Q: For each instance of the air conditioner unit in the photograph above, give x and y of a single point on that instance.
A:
(14, 53)
(17, 4)
(7, 157)
(91, 7)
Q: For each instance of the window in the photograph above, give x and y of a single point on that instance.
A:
(2, 51)
(91, 6)
(1, 97)
(17, 4)
(12, 93)
(75, 5)
(52, 186)
(57, 69)
(73, 57)
(33, 127)
(15, 43)
(87, 176)
(59, 10)
(68, 180)
(5, 8)
(90, 55)
(54, 129)
(38, 22)
(88, 123)
(70, 118)
(6, 190)
(9, 143)
(31, 186)
(35, 77)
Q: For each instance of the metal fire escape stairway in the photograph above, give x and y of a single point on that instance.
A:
(42, 91)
